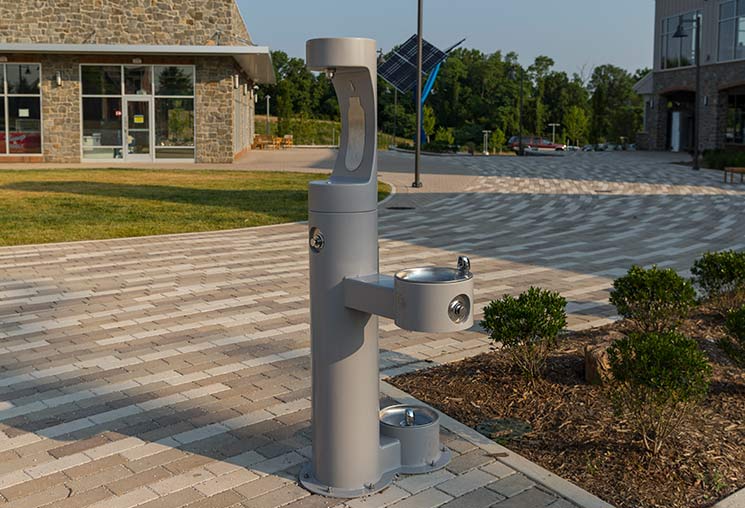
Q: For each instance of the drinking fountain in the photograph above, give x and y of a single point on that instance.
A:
(357, 448)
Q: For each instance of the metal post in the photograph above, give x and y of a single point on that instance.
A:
(521, 150)
(697, 114)
(268, 129)
(395, 114)
(419, 106)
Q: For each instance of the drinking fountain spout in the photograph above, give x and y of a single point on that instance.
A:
(358, 449)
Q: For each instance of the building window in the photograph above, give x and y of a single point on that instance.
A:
(731, 30)
(174, 128)
(735, 133)
(20, 109)
(679, 52)
(167, 91)
(177, 81)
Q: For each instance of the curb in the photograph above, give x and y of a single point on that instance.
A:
(391, 195)
(736, 500)
(560, 486)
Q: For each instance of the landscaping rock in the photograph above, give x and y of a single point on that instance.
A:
(597, 363)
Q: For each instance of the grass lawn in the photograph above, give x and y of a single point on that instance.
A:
(43, 206)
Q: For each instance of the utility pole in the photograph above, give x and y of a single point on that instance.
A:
(420, 64)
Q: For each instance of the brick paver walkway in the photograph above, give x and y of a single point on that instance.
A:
(173, 371)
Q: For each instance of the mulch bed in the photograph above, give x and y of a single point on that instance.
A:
(576, 435)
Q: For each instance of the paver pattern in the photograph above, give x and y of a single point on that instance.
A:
(173, 371)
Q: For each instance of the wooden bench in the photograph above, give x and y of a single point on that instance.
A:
(262, 142)
(732, 172)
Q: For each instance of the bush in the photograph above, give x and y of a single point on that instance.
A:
(720, 159)
(445, 136)
(437, 147)
(527, 327)
(734, 345)
(654, 300)
(720, 276)
(657, 380)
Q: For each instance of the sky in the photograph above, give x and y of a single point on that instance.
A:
(575, 33)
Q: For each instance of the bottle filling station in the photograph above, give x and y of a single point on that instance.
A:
(357, 448)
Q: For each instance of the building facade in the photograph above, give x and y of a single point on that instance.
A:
(127, 81)
(670, 94)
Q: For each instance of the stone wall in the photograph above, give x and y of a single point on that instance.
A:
(715, 80)
(60, 109)
(180, 22)
(61, 105)
(214, 109)
(239, 27)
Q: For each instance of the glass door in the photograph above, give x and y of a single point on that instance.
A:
(138, 133)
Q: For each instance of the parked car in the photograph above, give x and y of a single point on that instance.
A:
(588, 148)
(535, 143)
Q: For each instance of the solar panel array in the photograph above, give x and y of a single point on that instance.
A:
(400, 68)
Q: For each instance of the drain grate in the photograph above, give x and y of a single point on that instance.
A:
(401, 208)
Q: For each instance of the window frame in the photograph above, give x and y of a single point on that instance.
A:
(4, 96)
(665, 33)
(151, 98)
(737, 19)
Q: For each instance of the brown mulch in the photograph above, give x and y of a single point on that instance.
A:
(576, 435)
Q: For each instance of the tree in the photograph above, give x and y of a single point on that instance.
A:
(429, 120)
(284, 108)
(445, 136)
(498, 140)
(576, 124)
(616, 108)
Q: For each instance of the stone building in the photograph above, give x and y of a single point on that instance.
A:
(127, 80)
(670, 92)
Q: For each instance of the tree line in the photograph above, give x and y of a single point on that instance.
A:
(476, 91)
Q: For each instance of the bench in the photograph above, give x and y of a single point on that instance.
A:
(732, 172)
(262, 142)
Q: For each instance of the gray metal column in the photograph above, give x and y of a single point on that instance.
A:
(343, 238)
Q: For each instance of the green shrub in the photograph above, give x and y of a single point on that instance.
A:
(445, 136)
(657, 380)
(438, 147)
(720, 276)
(720, 159)
(527, 327)
(654, 300)
(734, 345)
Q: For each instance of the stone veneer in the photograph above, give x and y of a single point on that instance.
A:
(156, 22)
(60, 108)
(182, 22)
(61, 105)
(213, 110)
(716, 79)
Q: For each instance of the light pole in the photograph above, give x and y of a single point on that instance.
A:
(486, 142)
(419, 65)
(681, 34)
(553, 133)
(268, 129)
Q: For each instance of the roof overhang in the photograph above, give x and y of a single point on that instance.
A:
(256, 61)
(645, 86)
